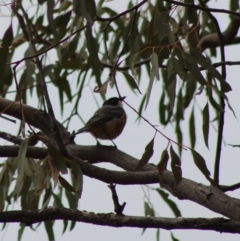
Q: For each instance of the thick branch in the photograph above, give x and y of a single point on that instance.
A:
(209, 197)
(112, 220)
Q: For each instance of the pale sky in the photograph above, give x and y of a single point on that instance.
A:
(96, 196)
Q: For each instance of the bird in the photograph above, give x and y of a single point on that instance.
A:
(108, 122)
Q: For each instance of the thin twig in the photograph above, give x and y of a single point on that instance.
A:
(118, 209)
(233, 187)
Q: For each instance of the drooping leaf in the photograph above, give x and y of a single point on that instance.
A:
(4, 52)
(20, 231)
(49, 229)
(131, 81)
(57, 158)
(192, 129)
(77, 179)
(155, 65)
(66, 184)
(201, 164)
(131, 63)
(146, 155)
(162, 165)
(172, 205)
(176, 166)
(162, 25)
(205, 125)
(148, 211)
(21, 162)
(173, 237)
(103, 88)
(149, 90)
(85, 8)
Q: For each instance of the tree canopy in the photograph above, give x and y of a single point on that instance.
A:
(85, 49)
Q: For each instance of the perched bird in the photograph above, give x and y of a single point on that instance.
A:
(108, 121)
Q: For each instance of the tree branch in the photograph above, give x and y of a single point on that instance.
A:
(207, 196)
(112, 220)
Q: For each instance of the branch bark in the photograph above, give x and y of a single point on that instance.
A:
(112, 220)
(208, 196)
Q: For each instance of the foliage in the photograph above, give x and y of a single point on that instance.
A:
(169, 41)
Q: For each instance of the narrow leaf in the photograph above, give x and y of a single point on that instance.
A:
(162, 165)
(201, 164)
(192, 129)
(172, 205)
(173, 238)
(146, 155)
(155, 65)
(66, 184)
(131, 64)
(205, 125)
(57, 158)
(152, 75)
(148, 211)
(176, 166)
(49, 229)
(131, 81)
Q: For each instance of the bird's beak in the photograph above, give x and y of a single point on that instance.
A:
(122, 98)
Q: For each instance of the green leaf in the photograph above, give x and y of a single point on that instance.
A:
(155, 65)
(50, 18)
(172, 91)
(162, 165)
(173, 238)
(131, 81)
(4, 52)
(201, 164)
(193, 68)
(20, 231)
(57, 158)
(65, 225)
(30, 67)
(49, 229)
(192, 129)
(191, 86)
(204, 62)
(179, 67)
(205, 125)
(77, 178)
(234, 5)
(146, 155)
(58, 199)
(47, 197)
(93, 48)
(148, 211)
(66, 184)
(131, 64)
(21, 162)
(172, 205)
(162, 25)
(149, 90)
(158, 234)
(85, 8)
(176, 166)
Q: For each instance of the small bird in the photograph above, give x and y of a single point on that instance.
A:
(108, 121)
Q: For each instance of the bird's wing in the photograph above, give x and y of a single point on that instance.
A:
(103, 115)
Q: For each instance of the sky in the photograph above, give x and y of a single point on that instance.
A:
(96, 196)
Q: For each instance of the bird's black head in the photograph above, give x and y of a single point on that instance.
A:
(114, 101)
